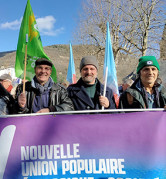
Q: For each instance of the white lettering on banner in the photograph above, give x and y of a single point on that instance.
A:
(6, 139)
(128, 178)
(76, 178)
(102, 178)
(42, 160)
(39, 168)
(89, 166)
(49, 152)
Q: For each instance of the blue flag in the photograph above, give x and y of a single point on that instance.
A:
(109, 64)
(71, 74)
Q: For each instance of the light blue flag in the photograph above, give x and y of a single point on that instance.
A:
(109, 63)
(71, 74)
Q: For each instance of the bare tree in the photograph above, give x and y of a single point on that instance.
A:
(163, 45)
(145, 21)
(135, 26)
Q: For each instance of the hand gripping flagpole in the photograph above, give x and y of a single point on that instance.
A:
(25, 63)
(105, 83)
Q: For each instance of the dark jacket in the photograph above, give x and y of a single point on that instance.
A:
(58, 98)
(140, 98)
(7, 102)
(81, 99)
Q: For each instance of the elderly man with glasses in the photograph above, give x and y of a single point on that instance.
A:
(42, 94)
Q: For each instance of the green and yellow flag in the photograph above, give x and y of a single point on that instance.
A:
(34, 46)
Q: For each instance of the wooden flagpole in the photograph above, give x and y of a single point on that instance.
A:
(105, 83)
(25, 63)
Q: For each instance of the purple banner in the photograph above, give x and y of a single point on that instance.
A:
(85, 146)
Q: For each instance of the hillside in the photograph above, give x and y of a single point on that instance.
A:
(59, 54)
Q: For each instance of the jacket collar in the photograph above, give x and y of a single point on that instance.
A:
(47, 86)
(81, 93)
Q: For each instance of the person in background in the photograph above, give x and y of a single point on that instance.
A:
(86, 94)
(42, 95)
(127, 83)
(7, 102)
(146, 91)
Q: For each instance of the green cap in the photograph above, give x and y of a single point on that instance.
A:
(147, 61)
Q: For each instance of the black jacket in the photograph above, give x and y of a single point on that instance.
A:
(58, 98)
(8, 100)
(81, 99)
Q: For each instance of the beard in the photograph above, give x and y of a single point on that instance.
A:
(89, 79)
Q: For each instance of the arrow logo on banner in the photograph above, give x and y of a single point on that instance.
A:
(6, 139)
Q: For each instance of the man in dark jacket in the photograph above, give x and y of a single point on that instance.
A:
(7, 102)
(145, 92)
(42, 94)
(86, 94)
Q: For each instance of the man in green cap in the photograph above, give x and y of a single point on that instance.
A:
(145, 92)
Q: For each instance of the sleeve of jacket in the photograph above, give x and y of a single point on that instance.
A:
(3, 107)
(123, 101)
(163, 96)
(109, 95)
(62, 101)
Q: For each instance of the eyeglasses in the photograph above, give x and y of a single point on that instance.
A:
(43, 68)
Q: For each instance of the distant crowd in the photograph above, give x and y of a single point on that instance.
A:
(43, 95)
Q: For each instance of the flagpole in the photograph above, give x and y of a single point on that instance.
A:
(25, 63)
(105, 83)
(71, 74)
(110, 63)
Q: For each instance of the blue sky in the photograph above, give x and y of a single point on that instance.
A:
(56, 21)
